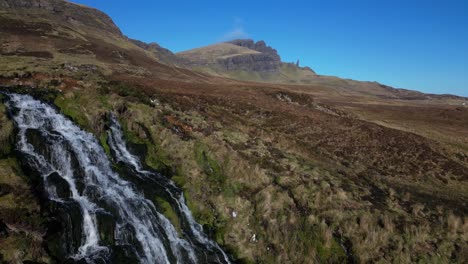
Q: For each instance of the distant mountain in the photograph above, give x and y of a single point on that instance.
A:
(278, 164)
(70, 38)
(247, 60)
(244, 59)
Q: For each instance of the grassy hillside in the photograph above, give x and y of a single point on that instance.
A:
(285, 180)
(329, 171)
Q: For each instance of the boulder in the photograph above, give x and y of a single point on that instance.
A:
(62, 188)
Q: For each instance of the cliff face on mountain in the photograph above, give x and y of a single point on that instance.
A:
(266, 60)
(237, 55)
(245, 59)
(250, 62)
(259, 46)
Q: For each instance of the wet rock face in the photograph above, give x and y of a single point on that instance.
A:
(69, 12)
(106, 222)
(3, 230)
(267, 60)
(60, 185)
(64, 231)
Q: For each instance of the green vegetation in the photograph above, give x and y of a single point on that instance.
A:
(263, 193)
(124, 90)
(154, 155)
(209, 165)
(262, 197)
(103, 141)
(169, 213)
(19, 209)
(72, 109)
(319, 238)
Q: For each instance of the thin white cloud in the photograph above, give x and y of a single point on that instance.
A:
(237, 32)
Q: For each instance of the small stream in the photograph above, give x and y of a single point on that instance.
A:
(105, 213)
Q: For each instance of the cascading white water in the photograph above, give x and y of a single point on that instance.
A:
(102, 188)
(122, 154)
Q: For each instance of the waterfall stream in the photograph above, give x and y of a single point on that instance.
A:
(117, 214)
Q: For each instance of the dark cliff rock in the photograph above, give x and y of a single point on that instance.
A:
(267, 60)
(245, 59)
(66, 12)
(259, 46)
(251, 62)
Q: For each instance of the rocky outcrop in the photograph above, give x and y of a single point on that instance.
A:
(246, 59)
(266, 60)
(162, 54)
(259, 46)
(66, 12)
(260, 62)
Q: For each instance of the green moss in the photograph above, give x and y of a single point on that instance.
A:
(332, 254)
(169, 212)
(233, 189)
(179, 180)
(104, 100)
(155, 157)
(103, 140)
(309, 237)
(220, 230)
(209, 165)
(204, 216)
(73, 110)
(214, 225)
(130, 92)
(130, 136)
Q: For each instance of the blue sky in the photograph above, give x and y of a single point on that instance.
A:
(419, 45)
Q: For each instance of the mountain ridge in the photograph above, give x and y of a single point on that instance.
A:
(246, 60)
(272, 71)
(274, 168)
(71, 12)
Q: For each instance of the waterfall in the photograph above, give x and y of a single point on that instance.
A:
(195, 230)
(75, 170)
